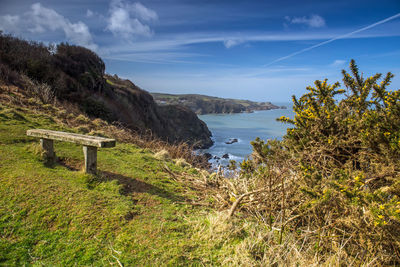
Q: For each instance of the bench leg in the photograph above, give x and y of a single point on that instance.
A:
(90, 153)
(47, 146)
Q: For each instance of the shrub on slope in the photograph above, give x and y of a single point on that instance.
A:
(334, 179)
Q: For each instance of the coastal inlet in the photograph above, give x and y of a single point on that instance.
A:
(232, 133)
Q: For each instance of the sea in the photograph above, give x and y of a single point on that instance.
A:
(245, 127)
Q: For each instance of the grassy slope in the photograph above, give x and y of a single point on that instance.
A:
(132, 212)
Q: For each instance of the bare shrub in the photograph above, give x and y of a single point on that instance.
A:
(41, 91)
(44, 92)
(8, 75)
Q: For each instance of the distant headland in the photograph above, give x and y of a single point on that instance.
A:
(202, 104)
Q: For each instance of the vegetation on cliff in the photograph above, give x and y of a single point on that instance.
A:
(75, 74)
(202, 104)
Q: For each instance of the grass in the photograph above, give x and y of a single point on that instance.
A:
(131, 212)
(137, 210)
(141, 209)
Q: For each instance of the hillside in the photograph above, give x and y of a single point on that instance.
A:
(132, 212)
(202, 104)
(76, 75)
(327, 194)
(142, 208)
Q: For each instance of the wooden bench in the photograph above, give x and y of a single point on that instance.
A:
(90, 144)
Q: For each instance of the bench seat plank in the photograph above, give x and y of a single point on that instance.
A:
(81, 139)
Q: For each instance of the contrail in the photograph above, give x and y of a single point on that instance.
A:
(334, 39)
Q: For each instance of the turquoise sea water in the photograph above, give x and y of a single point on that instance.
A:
(245, 127)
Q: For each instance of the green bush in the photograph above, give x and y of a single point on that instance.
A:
(338, 168)
(96, 108)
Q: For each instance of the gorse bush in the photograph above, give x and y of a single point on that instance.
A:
(334, 179)
(366, 119)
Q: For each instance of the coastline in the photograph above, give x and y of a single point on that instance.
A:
(244, 127)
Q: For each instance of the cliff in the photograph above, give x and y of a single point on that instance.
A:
(77, 75)
(202, 104)
(137, 109)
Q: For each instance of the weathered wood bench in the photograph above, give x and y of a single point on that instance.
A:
(90, 144)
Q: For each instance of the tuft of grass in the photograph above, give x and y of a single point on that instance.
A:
(162, 155)
(82, 119)
(182, 162)
(83, 129)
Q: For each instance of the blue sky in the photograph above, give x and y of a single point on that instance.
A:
(257, 50)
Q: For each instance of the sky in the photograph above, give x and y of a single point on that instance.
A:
(256, 50)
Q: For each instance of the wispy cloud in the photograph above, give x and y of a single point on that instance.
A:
(130, 20)
(229, 82)
(338, 63)
(313, 21)
(347, 35)
(233, 42)
(179, 42)
(89, 13)
(143, 12)
(157, 57)
(40, 19)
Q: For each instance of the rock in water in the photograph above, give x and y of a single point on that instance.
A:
(208, 156)
(225, 156)
(231, 141)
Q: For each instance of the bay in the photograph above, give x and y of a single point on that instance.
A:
(245, 127)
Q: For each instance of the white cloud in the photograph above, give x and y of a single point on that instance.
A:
(89, 13)
(143, 12)
(314, 21)
(44, 19)
(40, 19)
(128, 20)
(9, 23)
(338, 63)
(232, 42)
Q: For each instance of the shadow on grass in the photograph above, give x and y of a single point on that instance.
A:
(131, 185)
(70, 164)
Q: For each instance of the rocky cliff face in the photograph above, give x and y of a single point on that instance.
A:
(183, 123)
(137, 109)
